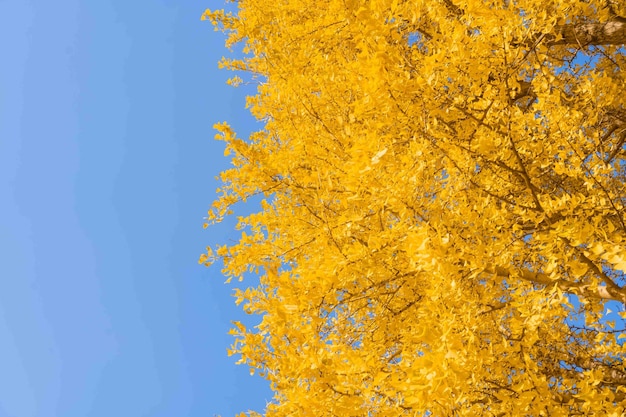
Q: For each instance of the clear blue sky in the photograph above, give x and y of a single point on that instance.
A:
(107, 165)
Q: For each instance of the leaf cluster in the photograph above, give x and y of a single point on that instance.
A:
(443, 224)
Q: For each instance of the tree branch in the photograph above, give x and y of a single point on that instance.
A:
(576, 288)
(612, 32)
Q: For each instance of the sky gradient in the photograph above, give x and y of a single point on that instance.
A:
(107, 166)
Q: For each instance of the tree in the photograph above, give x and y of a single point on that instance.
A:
(442, 228)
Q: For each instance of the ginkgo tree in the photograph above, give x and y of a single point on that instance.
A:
(442, 220)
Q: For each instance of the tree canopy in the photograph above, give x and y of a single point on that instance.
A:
(442, 225)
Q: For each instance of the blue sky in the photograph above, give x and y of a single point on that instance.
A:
(107, 166)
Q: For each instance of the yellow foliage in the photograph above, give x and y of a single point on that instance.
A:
(444, 217)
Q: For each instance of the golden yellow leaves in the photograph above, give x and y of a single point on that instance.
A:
(443, 218)
(614, 254)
